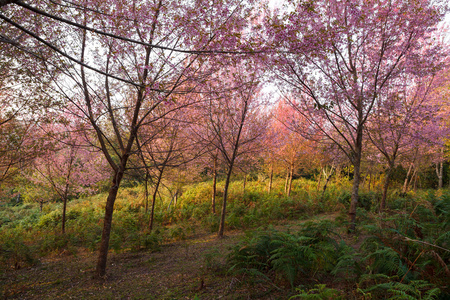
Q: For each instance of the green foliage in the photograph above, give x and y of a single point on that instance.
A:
(385, 260)
(310, 251)
(366, 200)
(213, 259)
(319, 292)
(348, 266)
(14, 252)
(402, 254)
(414, 290)
(50, 220)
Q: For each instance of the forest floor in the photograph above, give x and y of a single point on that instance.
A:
(194, 268)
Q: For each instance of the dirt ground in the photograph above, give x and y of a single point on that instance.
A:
(190, 269)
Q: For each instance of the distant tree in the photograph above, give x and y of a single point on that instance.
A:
(163, 146)
(339, 57)
(20, 144)
(71, 166)
(230, 121)
(407, 116)
(297, 143)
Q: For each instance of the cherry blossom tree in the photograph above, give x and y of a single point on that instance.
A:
(19, 146)
(152, 53)
(407, 117)
(339, 57)
(70, 166)
(297, 144)
(229, 121)
(165, 145)
(121, 60)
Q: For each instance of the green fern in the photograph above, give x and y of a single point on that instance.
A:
(320, 292)
(347, 263)
(386, 261)
(289, 255)
(414, 290)
(292, 254)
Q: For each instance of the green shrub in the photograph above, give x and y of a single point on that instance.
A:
(14, 251)
(50, 220)
(319, 292)
(311, 251)
(391, 289)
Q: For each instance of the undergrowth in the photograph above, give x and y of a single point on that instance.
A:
(403, 254)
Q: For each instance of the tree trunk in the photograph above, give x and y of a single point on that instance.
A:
(244, 184)
(155, 193)
(291, 175)
(416, 177)
(63, 225)
(328, 180)
(405, 184)
(355, 197)
(319, 181)
(107, 222)
(270, 179)
(286, 183)
(224, 205)
(356, 179)
(440, 173)
(387, 180)
(214, 191)
(146, 191)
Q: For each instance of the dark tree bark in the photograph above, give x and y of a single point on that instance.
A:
(270, 179)
(107, 220)
(327, 181)
(386, 183)
(155, 193)
(214, 186)
(356, 175)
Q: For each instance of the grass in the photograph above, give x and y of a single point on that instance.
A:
(182, 258)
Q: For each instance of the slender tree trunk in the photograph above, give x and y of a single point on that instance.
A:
(441, 170)
(291, 175)
(63, 225)
(440, 173)
(270, 179)
(155, 193)
(416, 177)
(387, 180)
(214, 187)
(356, 179)
(224, 205)
(405, 184)
(328, 180)
(286, 183)
(107, 221)
(65, 194)
(355, 197)
(319, 181)
(413, 179)
(244, 184)
(146, 190)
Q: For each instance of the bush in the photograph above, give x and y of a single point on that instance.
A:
(292, 256)
(50, 220)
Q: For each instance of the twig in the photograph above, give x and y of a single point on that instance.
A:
(425, 243)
